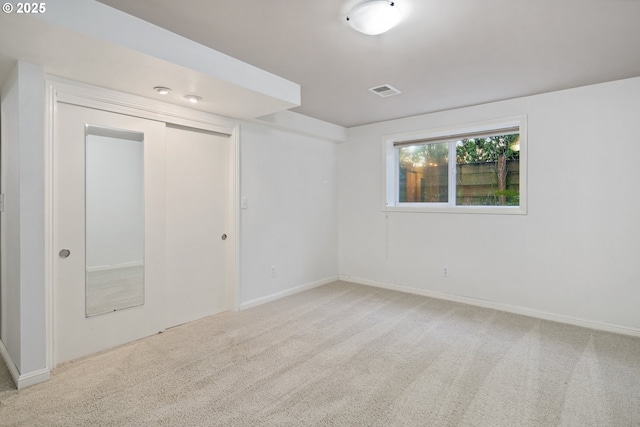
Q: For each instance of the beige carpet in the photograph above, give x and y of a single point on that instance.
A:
(347, 355)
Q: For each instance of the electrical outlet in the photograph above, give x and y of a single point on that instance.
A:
(274, 271)
(445, 272)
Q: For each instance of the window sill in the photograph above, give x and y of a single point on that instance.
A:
(490, 210)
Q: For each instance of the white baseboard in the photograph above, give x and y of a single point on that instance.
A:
(22, 380)
(591, 324)
(282, 294)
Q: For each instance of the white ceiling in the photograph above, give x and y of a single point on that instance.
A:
(445, 54)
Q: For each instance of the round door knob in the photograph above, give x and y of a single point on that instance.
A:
(64, 253)
(223, 237)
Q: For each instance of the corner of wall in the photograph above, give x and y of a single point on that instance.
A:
(23, 287)
(22, 381)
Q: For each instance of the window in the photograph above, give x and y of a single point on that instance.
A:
(477, 168)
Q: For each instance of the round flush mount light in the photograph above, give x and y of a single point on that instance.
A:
(162, 90)
(194, 99)
(374, 17)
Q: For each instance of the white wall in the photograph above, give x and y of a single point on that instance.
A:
(289, 180)
(576, 252)
(23, 287)
(10, 218)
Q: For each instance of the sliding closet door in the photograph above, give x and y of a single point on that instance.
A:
(197, 223)
(109, 230)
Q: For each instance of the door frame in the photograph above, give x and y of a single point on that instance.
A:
(59, 90)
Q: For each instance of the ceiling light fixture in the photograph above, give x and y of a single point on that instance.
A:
(374, 17)
(194, 99)
(162, 90)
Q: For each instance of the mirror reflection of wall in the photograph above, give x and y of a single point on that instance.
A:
(114, 220)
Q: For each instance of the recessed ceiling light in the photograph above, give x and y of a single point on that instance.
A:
(374, 17)
(162, 90)
(194, 99)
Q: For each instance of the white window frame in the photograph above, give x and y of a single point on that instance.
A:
(391, 169)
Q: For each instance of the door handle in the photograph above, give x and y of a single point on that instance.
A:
(64, 253)
(223, 237)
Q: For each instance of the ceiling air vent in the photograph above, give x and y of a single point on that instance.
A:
(385, 90)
